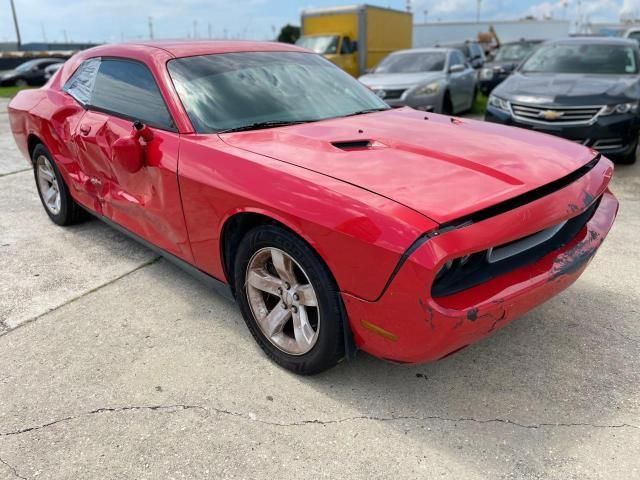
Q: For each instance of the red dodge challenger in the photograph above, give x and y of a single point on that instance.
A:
(336, 222)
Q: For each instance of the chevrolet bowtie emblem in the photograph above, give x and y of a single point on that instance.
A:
(550, 114)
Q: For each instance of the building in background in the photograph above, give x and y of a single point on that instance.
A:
(428, 34)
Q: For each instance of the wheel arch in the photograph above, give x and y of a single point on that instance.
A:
(239, 223)
(33, 141)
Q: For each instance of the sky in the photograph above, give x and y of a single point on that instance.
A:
(117, 20)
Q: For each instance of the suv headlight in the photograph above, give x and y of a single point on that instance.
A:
(486, 74)
(428, 89)
(499, 103)
(631, 107)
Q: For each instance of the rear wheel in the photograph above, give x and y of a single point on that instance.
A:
(21, 82)
(54, 193)
(289, 300)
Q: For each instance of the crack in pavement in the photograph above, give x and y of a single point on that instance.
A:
(253, 418)
(12, 468)
(6, 329)
(13, 173)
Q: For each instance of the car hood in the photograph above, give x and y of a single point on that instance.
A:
(399, 80)
(440, 166)
(569, 89)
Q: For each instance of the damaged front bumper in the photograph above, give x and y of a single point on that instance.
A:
(407, 324)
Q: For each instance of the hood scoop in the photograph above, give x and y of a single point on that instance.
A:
(355, 145)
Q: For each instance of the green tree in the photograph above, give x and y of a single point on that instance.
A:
(289, 34)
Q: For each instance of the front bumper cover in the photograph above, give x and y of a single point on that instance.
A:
(418, 328)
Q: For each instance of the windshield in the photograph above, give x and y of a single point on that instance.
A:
(583, 58)
(322, 44)
(514, 51)
(232, 90)
(412, 63)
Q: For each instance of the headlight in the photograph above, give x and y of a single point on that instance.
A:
(631, 107)
(429, 89)
(499, 103)
(486, 74)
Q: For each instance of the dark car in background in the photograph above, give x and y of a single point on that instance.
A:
(583, 89)
(472, 50)
(505, 61)
(29, 73)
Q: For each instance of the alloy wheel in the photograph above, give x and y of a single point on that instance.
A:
(283, 301)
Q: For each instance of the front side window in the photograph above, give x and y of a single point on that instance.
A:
(80, 85)
(412, 62)
(234, 90)
(583, 58)
(127, 88)
(457, 58)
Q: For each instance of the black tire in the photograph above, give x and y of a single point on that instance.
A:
(629, 158)
(447, 107)
(328, 349)
(70, 212)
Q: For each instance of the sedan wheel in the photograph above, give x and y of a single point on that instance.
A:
(283, 301)
(21, 82)
(289, 300)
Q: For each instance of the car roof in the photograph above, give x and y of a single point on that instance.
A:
(189, 48)
(594, 41)
(422, 50)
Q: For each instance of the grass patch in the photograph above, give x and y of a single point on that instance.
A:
(480, 104)
(9, 92)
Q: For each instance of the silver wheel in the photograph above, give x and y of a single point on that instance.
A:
(21, 83)
(283, 301)
(48, 185)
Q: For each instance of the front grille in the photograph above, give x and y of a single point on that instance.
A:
(607, 144)
(469, 271)
(555, 115)
(390, 94)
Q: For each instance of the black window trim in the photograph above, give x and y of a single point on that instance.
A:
(93, 108)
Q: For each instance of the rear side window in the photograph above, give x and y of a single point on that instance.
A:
(80, 85)
(127, 89)
(457, 58)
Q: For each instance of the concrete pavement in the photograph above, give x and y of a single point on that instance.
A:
(115, 364)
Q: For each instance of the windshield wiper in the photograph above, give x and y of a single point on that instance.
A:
(268, 124)
(368, 110)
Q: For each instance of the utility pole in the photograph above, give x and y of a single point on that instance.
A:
(150, 27)
(195, 29)
(209, 30)
(66, 38)
(15, 23)
(478, 11)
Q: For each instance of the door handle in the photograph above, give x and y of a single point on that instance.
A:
(85, 129)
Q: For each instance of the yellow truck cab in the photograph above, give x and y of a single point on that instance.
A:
(356, 37)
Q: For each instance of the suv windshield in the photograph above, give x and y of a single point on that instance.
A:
(412, 63)
(583, 58)
(514, 51)
(235, 90)
(323, 44)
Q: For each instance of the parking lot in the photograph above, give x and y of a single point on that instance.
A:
(115, 364)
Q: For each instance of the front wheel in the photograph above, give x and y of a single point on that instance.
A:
(289, 300)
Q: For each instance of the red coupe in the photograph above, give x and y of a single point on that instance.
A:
(336, 222)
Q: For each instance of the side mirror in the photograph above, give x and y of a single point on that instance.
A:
(456, 68)
(128, 151)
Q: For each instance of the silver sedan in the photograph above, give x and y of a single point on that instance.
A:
(429, 79)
